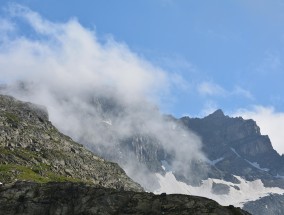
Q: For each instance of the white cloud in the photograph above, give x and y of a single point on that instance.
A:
(179, 82)
(270, 122)
(239, 91)
(84, 83)
(6, 26)
(69, 55)
(212, 89)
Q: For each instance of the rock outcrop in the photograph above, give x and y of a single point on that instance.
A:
(72, 198)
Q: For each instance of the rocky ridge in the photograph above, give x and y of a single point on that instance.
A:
(31, 148)
(28, 198)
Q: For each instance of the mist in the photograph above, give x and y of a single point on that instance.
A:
(96, 91)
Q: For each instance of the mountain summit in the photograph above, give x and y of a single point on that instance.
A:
(216, 114)
(245, 151)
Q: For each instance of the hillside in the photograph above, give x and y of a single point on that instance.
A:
(32, 149)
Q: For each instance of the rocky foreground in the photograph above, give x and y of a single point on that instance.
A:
(75, 198)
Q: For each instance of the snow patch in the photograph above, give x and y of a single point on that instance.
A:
(215, 161)
(233, 150)
(248, 190)
(166, 166)
(256, 165)
(170, 185)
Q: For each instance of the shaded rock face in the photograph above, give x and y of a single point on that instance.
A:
(31, 148)
(244, 151)
(72, 198)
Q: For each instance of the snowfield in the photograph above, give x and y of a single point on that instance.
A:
(237, 196)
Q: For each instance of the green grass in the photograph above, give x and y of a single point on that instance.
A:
(4, 151)
(36, 172)
(12, 118)
(12, 172)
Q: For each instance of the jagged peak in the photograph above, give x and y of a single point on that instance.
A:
(217, 114)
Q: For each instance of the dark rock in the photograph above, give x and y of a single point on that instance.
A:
(220, 189)
(72, 198)
(217, 114)
(236, 187)
(240, 144)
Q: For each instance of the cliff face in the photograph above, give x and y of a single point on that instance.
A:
(238, 144)
(31, 148)
(72, 198)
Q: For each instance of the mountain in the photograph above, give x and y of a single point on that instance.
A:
(43, 171)
(241, 166)
(237, 147)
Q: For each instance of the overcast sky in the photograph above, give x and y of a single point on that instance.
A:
(224, 54)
